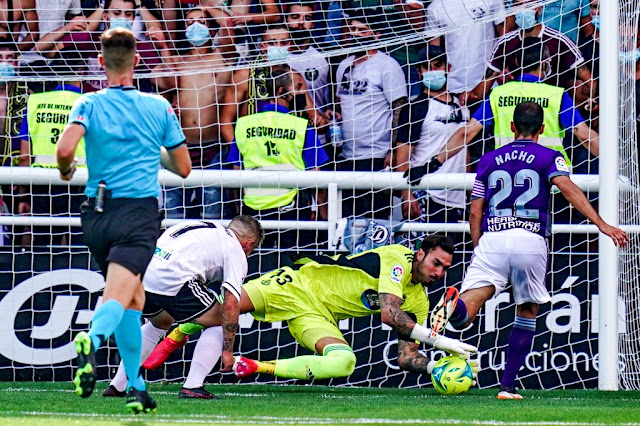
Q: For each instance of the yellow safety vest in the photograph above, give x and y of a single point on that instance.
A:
(270, 141)
(47, 116)
(504, 99)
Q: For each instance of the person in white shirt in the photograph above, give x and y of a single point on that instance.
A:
(470, 47)
(370, 90)
(426, 124)
(304, 57)
(188, 259)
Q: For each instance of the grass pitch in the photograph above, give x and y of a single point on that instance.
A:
(55, 404)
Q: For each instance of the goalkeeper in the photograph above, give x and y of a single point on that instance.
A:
(316, 293)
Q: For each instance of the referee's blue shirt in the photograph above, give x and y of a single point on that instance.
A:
(124, 130)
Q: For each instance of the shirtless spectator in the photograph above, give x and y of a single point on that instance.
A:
(16, 15)
(249, 89)
(117, 13)
(198, 99)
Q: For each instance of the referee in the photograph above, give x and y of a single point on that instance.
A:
(127, 134)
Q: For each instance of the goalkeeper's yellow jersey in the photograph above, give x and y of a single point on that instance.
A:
(349, 286)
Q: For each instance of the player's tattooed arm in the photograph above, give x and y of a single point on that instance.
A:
(230, 313)
(393, 316)
(410, 359)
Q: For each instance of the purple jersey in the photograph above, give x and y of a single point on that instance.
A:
(515, 183)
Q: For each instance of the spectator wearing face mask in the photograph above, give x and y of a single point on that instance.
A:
(197, 98)
(426, 124)
(249, 87)
(565, 62)
(275, 139)
(116, 14)
(560, 113)
(370, 91)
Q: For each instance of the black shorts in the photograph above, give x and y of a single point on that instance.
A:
(124, 233)
(193, 300)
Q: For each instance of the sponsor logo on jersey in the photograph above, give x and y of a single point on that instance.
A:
(396, 273)
(561, 164)
(371, 299)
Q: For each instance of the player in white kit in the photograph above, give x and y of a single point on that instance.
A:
(188, 257)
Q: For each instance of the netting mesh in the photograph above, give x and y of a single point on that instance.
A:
(213, 63)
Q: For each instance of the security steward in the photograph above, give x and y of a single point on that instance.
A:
(274, 138)
(44, 120)
(560, 113)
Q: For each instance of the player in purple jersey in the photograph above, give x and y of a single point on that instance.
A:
(509, 219)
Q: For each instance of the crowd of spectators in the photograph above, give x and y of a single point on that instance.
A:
(396, 103)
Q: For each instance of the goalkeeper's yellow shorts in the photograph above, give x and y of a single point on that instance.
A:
(280, 296)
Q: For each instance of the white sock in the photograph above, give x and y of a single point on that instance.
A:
(205, 355)
(151, 335)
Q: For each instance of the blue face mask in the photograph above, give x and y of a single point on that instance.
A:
(120, 23)
(6, 70)
(198, 34)
(526, 19)
(277, 53)
(595, 19)
(630, 57)
(434, 80)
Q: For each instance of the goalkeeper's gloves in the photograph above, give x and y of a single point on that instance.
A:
(438, 341)
(414, 174)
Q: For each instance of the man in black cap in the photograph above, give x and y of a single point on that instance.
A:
(425, 126)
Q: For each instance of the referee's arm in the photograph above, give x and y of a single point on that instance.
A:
(176, 159)
(66, 149)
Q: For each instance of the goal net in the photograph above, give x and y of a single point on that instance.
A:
(361, 75)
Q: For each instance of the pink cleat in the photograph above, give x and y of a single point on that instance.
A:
(244, 367)
(161, 352)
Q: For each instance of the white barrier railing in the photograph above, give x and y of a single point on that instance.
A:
(335, 182)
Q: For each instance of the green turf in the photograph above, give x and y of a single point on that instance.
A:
(56, 404)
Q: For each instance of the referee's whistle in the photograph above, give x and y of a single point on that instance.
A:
(99, 207)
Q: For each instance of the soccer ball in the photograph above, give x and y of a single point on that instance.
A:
(451, 375)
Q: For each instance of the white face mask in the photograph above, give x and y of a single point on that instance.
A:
(277, 53)
(119, 22)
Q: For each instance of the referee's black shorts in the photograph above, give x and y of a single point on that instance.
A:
(125, 232)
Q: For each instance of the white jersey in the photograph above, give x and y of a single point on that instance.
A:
(440, 123)
(366, 92)
(468, 49)
(314, 68)
(196, 250)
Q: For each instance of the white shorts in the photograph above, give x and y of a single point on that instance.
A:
(513, 255)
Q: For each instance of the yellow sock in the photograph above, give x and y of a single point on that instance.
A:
(177, 335)
(266, 367)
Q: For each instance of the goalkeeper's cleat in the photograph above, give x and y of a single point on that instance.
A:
(111, 391)
(443, 310)
(508, 393)
(162, 352)
(244, 367)
(140, 402)
(196, 393)
(85, 379)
